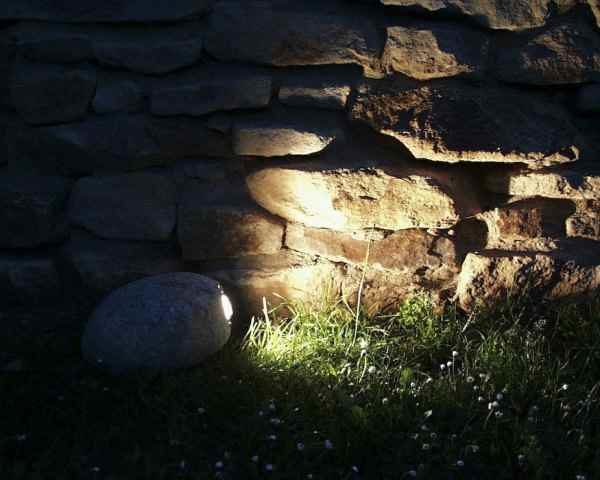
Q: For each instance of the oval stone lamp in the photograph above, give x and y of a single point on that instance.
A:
(167, 321)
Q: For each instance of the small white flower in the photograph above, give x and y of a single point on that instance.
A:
(219, 465)
(564, 387)
(426, 446)
(413, 384)
(300, 446)
(433, 435)
(254, 459)
(580, 477)
(470, 379)
(460, 463)
(442, 367)
(412, 473)
(384, 401)
(272, 407)
(428, 413)
(354, 468)
(449, 364)
(480, 399)
(474, 448)
(499, 414)
(260, 413)
(363, 344)
(499, 397)
(521, 458)
(372, 369)
(269, 467)
(454, 353)
(328, 444)
(272, 437)
(275, 421)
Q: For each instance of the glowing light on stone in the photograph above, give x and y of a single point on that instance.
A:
(227, 306)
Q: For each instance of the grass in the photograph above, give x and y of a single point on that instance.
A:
(324, 393)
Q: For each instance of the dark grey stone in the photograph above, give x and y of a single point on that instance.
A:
(28, 279)
(118, 96)
(101, 266)
(32, 210)
(45, 94)
(134, 206)
(86, 11)
(174, 320)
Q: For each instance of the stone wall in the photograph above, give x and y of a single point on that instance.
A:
(285, 147)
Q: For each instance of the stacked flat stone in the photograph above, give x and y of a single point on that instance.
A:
(281, 146)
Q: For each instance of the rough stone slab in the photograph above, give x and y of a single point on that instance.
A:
(488, 277)
(434, 50)
(208, 232)
(253, 33)
(44, 94)
(332, 97)
(156, 50)
(117, 11)
(562, 54)
(117, 143)
(276, 136)
(384, 290)
(29, 279)
(403, 250)
(174, 320)
(393, 198)
(135, 206)
(118, 96)
(32, 210)
(531, 224)
(494, 14)
(496, 125)
(585, 221)
(275, 277)
(113, 143)
(181, 137)
(565, 184)
(210, 95)
(101, 266)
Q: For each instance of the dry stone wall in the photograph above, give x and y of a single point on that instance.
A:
(285, 148)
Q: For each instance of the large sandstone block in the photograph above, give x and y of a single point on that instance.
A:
(101, 266)
(450, 122)
(220, 230)
(392, 198)
(90, 11)
(44, 94)
(568, 184)
(174, 320)
(328, 96)
(276, 135)
(585, 221)
(405, 250)
(434, 50)
(29, 279)
(118, 96)
(135, 206)
(224, 90)
(489, 277)
(251, 32)
(495, 14)
(32, 210)
(562, 54)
